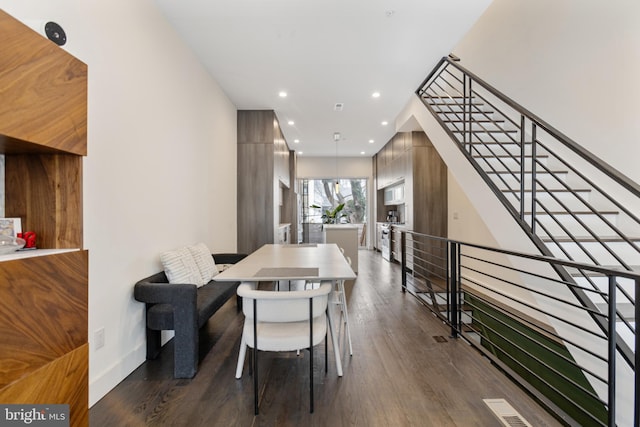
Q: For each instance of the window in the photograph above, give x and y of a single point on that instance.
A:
(328, 196)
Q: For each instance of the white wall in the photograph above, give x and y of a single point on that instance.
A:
(161, 169)
(575, 63)
(328, 167)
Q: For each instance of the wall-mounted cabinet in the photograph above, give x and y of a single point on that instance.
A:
(391, 166)
(43, 135)
(394, 194)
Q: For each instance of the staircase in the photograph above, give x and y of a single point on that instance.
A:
(571, 204)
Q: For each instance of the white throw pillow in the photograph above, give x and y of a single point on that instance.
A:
(203, 259)
(180, 267)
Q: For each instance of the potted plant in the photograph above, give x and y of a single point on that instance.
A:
(332, 216)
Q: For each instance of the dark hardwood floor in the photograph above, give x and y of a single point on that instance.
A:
(400, 374)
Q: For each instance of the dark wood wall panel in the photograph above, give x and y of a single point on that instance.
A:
(43, 301)
(256, 126)
(43, 92)
(46, 192)
(62, 381)
(255, 196)
(429, 188)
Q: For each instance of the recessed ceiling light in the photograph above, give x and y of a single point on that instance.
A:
(291, 123)
(362, 152)
(296, 141)
(282, 94)
(371, 141)
(300, 153)
(376, 94)
(384, 123)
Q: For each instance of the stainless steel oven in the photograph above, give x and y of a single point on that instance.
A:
(386, 242)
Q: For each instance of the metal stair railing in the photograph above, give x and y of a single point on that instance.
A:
(472, 289)
(543, 178)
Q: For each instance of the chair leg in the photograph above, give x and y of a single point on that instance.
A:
(326, 355)
(255, 357)
(311, 355)
(242, 353)
(255, 381)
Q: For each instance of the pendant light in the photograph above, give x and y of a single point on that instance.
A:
(336, 138)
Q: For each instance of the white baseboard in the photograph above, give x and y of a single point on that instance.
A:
(106, 380)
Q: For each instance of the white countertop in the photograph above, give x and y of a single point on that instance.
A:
(340, 226)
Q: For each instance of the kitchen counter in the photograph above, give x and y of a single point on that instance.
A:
(346, 237)
(339, 226)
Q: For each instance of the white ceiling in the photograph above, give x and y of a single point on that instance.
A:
(323, 52)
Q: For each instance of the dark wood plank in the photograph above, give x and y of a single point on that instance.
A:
(256, 192)
(399, 374)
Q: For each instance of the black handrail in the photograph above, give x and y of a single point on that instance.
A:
(609, 170)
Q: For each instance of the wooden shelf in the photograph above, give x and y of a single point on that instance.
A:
(34, 253)
(43, 293)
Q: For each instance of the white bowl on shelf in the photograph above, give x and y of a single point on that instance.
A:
(9, 245)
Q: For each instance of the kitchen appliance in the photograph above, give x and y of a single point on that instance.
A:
(392, 216)
(386, 242)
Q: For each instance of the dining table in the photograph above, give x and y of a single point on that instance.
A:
(290, 262)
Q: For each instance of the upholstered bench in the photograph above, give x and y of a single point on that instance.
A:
(183, 308)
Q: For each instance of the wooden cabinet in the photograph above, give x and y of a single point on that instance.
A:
(43, 134)
(281, 158)
(266, 168)
(416, 167)
(391, 161)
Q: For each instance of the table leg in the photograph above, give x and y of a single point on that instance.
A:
(334, 340)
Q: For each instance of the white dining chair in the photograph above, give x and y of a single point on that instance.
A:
(284, 321)
(339, 297)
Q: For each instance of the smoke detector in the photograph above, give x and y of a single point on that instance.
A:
(338, 107)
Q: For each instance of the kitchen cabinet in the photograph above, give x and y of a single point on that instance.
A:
(417, 168)
(284, 234)
(266, 169)
(44, 346)
(394, 195)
